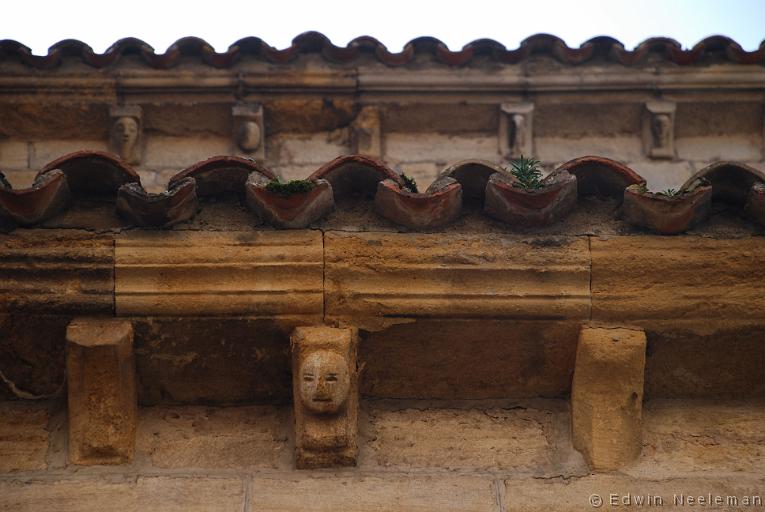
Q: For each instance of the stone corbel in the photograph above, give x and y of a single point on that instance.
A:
(366, 134)
(659, 129)
(325, 396)
(607, 396)
(516, 130)
(102, 397)
(249, 130)
(126, 133)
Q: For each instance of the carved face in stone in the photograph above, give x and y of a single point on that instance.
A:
(660, 126)
(248, 137)
(518, 140)
(324, 382)
(125, 136)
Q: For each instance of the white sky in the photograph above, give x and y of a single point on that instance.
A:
(394, 22)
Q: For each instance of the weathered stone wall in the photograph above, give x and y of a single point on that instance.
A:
(443, 315)
(428, 116)
(414, 455)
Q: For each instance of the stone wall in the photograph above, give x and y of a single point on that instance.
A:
(414, 455)
(428, 117)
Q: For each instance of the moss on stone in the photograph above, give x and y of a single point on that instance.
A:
(291, 187)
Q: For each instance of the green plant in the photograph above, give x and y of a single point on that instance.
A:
(289, 188)
(409, 183)
(527, 173)
(670, 192)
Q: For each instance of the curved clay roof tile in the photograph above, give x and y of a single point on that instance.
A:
(221, 175)
(91, 173)
(317, 43)
(597, 175)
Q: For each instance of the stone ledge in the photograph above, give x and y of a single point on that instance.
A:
(208, 274)
(123, 493)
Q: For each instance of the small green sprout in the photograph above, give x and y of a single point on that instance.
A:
(527, 172)
(670, 192)
(409, 183)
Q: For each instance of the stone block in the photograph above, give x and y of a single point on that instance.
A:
(45, 151)
(719, 118)
(607, 396)
(57, 271)
(307, 148)
(374, 494)
(705, 358)
(737, 148)
(294, 171)
(14, 154)
(693, 279)
(232, 273)
(439, 147)
(149, 179)
(32, 354)
(685, 437)
(23, 436)
(454, 276)
(486, 439)
(426, 358)
(559, 117)
(203, 360)
(50, 116)
(181, 152)
(445, 117)
(20, 179)
(559, 149)
(96, 494)
(102, 402)
(190, 437)
(661, 175)
(616, 492)
(325, 396)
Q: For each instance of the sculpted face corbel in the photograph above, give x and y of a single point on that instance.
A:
(324, 382)
(249, 131)
(659, 129)
(125, 134)
(516, 130)
(325, 396)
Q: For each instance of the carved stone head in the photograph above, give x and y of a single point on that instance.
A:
(660, 126)
(324, 382)
(125, 137)
(249, 136)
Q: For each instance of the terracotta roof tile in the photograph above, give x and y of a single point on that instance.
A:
(100, 175)
(598, 48)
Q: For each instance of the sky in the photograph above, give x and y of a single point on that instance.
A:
(39, 24)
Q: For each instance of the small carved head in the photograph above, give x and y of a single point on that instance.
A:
(660, 126)
(324, 382)
(248, 136)
(125, 136)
